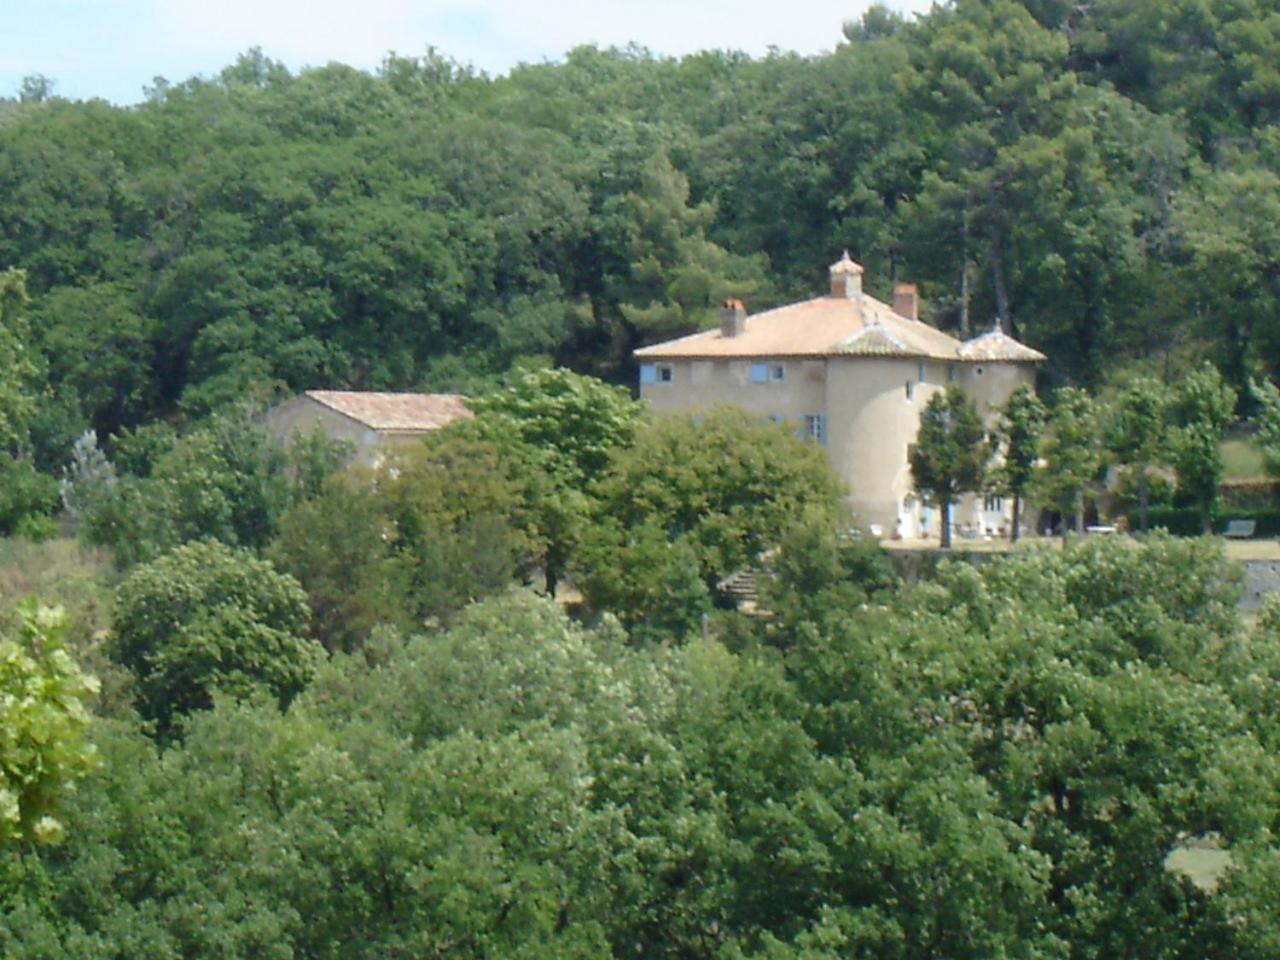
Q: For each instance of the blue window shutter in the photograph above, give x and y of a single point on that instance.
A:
(648, 373)
(759, 373)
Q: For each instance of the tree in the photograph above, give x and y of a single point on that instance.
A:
(1018, 436)
(340, 545)
(653, 585)
(43, 721)
(1137, 433)
(207, 617)
(819, 574)
(725, 484)
(580, 420)
(950, 454)
(461, 519)
(1203, 406)
(1072, 454)
(673, 276)
(17, 369)
(1267, 397)
(564, 428)
(223, 479)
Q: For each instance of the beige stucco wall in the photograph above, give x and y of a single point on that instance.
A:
(302, 415)
(991, 384)
(702, 384)
(871, 420)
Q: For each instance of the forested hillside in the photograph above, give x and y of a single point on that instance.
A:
(294, 708)
(1101, 177)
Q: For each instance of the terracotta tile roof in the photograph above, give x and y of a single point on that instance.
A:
(396, 411)
(996, 345)
(823, 326)
(838, 326)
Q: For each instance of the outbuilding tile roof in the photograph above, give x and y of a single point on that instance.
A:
(396, 411)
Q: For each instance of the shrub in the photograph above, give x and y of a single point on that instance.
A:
(210, 617)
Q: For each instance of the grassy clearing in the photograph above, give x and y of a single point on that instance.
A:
(1243, 460)
(67, 574)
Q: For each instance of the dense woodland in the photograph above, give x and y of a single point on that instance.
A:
(501, 700)
(1101, 177)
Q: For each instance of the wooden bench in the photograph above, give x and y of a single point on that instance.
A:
(1239, 529)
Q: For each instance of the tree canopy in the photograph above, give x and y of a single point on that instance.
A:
(949, 456)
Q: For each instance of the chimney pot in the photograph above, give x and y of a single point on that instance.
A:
(906, 301)
(733, 318)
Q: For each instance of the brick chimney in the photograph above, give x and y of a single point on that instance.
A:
(906, 301)
(846, 278)
(733, 319)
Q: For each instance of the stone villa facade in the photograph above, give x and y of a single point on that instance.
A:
(853, 374)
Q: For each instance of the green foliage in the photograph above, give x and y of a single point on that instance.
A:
(224, 479)
(950, 454)
(1137, 434)
(43, 723)
(1018, 436)
(460, 511)
(563, 428)
(339, 546)
(1077, 172)
(579, 421)
(1203, 408)
(207, 618)
(1072, 454)
(1267, 397)
(819, 572)
(700, 497)
(651, 583)
(26, 497)
(995, 763)
(17, 370)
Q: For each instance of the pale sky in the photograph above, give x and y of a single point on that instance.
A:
(113, 48)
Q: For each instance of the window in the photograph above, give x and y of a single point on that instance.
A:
(815, 427)
(656, 373)
(993, 504)
(951, 373)
(911, 390)
(767, 372)
(920, 371)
